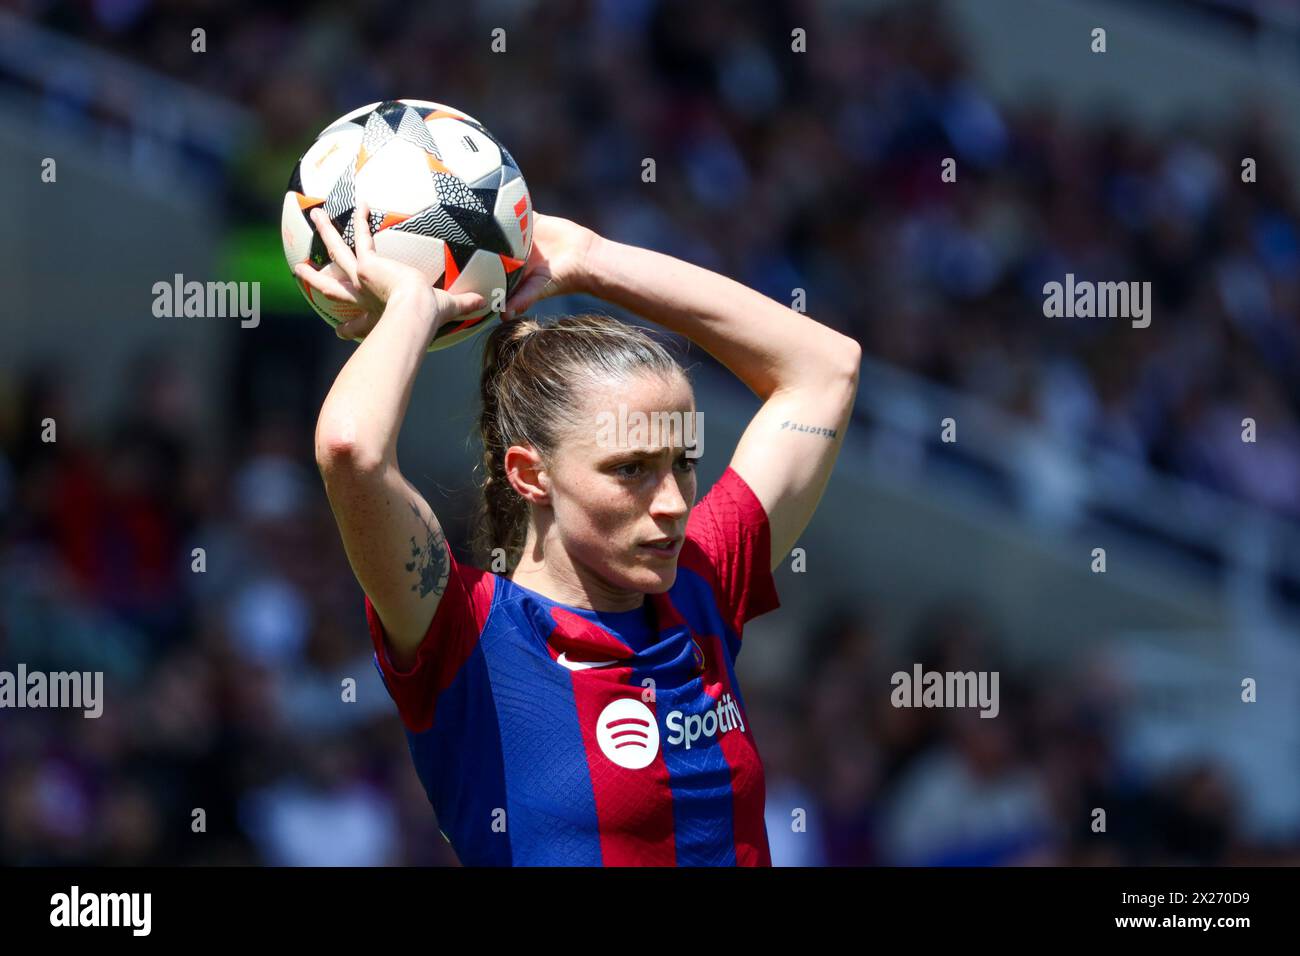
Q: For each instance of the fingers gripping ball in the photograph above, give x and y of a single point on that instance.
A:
(444, 196)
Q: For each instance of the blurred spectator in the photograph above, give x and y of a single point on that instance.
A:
(818, 173)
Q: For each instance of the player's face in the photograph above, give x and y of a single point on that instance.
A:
(623, 484)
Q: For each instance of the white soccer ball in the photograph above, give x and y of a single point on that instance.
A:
(444, 195)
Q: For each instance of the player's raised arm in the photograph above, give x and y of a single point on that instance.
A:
(392, 538)
(805, 373)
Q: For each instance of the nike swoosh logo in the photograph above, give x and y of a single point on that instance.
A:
(563, 661)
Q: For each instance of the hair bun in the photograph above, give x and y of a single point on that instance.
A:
(505, 340)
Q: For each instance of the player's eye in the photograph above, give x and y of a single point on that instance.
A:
(686, 463)
(630, 469)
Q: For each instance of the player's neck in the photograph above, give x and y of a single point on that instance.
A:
(562, 582)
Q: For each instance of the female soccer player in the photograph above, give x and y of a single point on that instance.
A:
(580, 706)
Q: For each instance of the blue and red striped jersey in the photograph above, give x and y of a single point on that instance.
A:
(552, 735)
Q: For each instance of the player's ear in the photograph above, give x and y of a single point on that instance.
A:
(527, 474)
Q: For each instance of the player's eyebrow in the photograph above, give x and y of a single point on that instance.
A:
(643, 454)
(637, 453)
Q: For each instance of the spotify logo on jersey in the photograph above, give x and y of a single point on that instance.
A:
(628, 733)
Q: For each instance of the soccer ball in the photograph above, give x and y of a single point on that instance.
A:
(445, 197)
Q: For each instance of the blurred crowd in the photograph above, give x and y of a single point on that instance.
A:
(214, 597)
(818, 172)
(821, 172)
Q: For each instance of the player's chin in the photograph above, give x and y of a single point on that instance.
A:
(651, 574)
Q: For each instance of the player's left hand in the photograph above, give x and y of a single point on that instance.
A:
(362, 277)
(558, 264)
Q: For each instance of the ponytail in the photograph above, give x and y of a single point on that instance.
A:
(503, 515)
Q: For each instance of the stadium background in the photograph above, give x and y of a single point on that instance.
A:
(817, 171)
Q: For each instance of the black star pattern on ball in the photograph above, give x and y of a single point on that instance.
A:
(412, 130)
(319, 256)
(391, 112)
(483, 227)
(437, 222)
(471, 209)
(345, 225)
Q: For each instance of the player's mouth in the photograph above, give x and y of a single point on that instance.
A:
(662, 547)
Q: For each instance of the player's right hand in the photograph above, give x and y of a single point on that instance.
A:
(368, 280)
(558, 263)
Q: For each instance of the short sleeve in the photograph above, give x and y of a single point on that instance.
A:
(450, 640)
(729, 542)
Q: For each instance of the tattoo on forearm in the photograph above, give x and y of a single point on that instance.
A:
(428, 561)
(810, 429)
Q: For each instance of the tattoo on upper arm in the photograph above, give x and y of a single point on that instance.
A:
(788, 425)
(429, 561)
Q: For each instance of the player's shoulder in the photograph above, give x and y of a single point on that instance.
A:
(715, 519)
